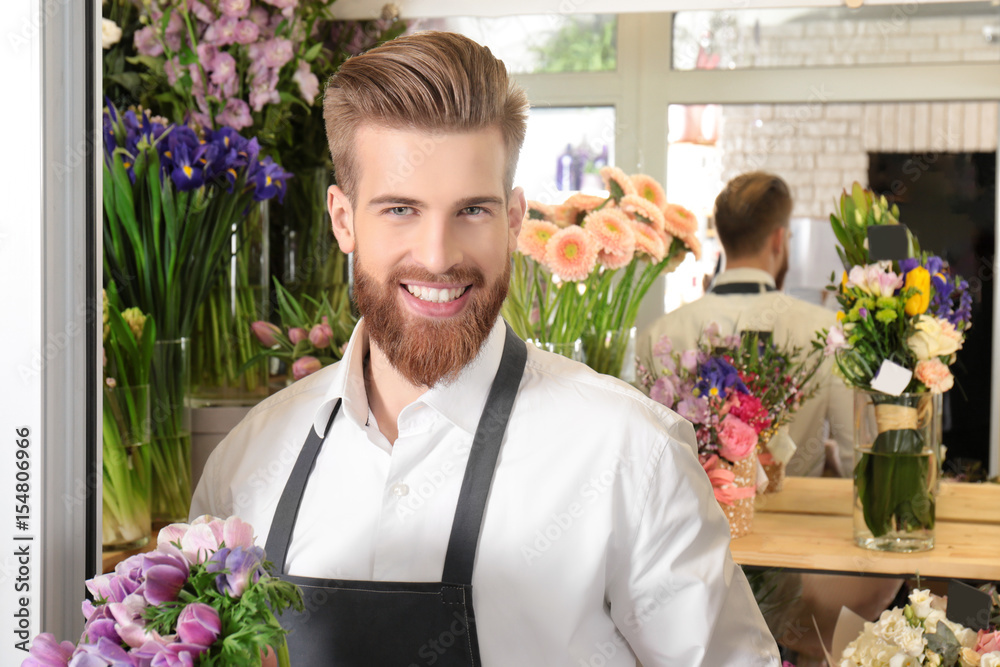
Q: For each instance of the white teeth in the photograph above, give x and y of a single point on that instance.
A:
(435, 295)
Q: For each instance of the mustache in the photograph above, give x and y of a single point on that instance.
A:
(459, 274)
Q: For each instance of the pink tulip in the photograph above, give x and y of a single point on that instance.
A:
(320, 336)
(305, 366)
(265, 333)
(297, 335)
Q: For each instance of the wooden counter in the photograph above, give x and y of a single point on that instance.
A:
(808, 526)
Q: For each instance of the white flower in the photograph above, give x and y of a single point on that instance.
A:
(893, 628)
(935, 337)
(990, 659)
(903, 660)
(933, 659)
(920, 601)
(968, 658)
(110, 33)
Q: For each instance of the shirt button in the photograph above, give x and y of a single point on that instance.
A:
(400, 490)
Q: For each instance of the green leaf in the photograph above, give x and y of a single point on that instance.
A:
(313, 51)
(944, 643)
(188, 56)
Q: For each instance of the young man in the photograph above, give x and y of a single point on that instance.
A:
(549, 515)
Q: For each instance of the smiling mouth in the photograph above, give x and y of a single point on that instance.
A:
(435, 295)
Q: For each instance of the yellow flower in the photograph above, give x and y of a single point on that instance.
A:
(136, 321)
(840, 316)
(919, 279)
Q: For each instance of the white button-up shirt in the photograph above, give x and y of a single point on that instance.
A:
(828, 414)
(602, 541)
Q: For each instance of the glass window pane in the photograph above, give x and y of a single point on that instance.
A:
(543, 43)
(563, 150)
(872, 35)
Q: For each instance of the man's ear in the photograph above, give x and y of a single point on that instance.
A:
(516, 208)
(778, 239)
(341, 218)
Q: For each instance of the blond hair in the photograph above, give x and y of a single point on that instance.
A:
(749, 209)
(430, 81)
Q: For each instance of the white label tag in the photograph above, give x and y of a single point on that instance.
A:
(762, 479)
(781, 446)
(891, 378)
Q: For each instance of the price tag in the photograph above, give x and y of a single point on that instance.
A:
(891, 378)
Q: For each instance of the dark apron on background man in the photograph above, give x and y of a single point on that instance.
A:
(399, 624)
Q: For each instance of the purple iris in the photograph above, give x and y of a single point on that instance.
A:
(717, 376)
(237, 568)
(951, 299)
(269, 180)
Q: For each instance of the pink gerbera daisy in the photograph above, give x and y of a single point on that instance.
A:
(623, 184)
(649, 189)
(693, 244)
(571, 254)
(649, 241)
(679, 221)
(638, 207)
(614, 260)
(538, 211)
(534, 236)
(613, 231)
(582, 202)
(563, 215)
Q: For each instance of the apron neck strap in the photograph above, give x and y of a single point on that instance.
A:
(465, 529)
(742, 288)
(461, 554)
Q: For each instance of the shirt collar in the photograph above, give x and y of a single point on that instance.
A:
(461, 401)
(744, 275)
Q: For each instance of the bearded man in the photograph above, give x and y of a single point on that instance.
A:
(447, 495)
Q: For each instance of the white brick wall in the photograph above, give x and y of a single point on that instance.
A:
(821, 152)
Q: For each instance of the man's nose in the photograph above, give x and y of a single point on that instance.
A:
(437, 248)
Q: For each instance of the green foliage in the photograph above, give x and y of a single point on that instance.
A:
(944, 643)
(581, 45)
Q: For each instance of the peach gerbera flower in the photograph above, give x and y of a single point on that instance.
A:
(538, 211)
(582, 202)
(613, 260)
(649, 241)
(635, 205)
(693, 244)
(679, 221)
(650, 190)
(563, 215)
(534, 236)
(609, 174)
(612, 229)
(571, 254)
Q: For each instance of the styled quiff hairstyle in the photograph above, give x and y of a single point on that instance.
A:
(749, 209)
(430, 81)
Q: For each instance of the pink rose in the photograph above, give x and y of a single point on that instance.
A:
(737, 439)
(724, 482)
(987, 642)
(935, 375)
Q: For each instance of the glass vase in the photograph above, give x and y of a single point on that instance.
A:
(126, 522)
(222, 342)
(895, 470)
(305, 254)
(170, 445)
(571, 350)
(611, 352)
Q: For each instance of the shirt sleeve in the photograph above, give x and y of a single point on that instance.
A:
(676, 595)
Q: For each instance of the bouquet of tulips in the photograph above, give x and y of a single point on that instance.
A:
(582, 267)
(907, 315)
(204, 597)
(313, 332)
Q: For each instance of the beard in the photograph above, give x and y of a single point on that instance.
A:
(427, 351)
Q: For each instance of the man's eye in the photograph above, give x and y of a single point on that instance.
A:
(474, 210)
(400, 210)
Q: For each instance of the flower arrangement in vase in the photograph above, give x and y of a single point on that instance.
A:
(737, 391)
(900, 323)
(582, 267)
(172, 199)
(205, 596)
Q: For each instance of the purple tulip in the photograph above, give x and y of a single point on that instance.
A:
(320, 336)
(265, 332)
(177, 655)
(297, 335)
(45, 651)
(198, 624)
(305, 366)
